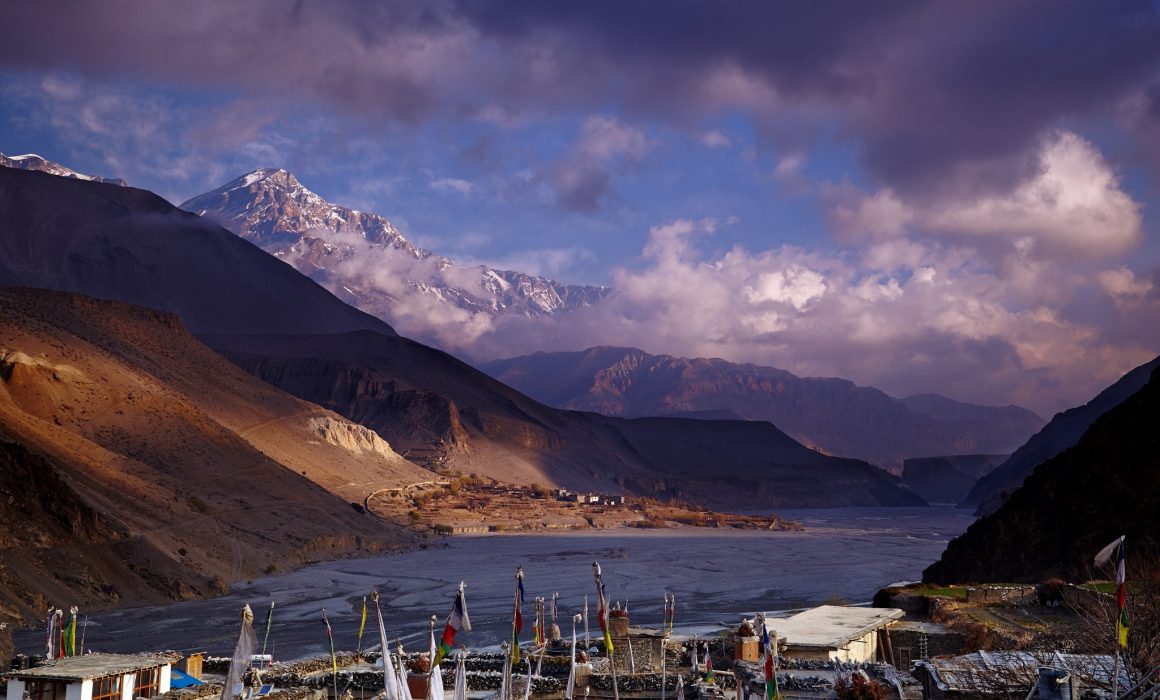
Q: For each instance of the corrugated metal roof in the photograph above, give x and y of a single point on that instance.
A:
(89, 666)
(1006, 671)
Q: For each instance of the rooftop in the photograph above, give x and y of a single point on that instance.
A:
(1001, 671)
(89, 666)
(831, 626)
(921, 626)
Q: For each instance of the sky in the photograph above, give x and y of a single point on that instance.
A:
(950, 197)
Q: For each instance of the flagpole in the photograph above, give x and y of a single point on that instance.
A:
(361, 628)
(604, 624)
(664, 664)
(506, 691)
(1122, 578)
(431, 666)
(517, 613)
(333, 658)
(269, 621)
(587, 641)
(1120, 630)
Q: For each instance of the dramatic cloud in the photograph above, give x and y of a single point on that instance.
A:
(1071, 205)
(583, 180)
(972, 219)
(949, 320)
(929, 89)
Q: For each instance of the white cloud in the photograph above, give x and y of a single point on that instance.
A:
(452, 185)
(603, 138)
(907, 316)
(714, 138)
(789, 166)
(1122, 282)
(1072, 205)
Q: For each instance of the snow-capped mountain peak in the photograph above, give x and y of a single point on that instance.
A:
(274, 210)
(32, 161)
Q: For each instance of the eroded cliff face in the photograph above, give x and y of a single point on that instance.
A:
(406, 418)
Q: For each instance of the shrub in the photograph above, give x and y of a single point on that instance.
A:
(858, 688)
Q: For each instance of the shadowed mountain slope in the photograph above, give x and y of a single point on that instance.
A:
(130, 245)
(1063, 431)
(393, 384)
(138, 465)
(1070, 506)
(947, 479)
(833, 415)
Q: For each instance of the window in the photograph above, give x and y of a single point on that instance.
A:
(148, 683)
(107, 688)
(46, 690)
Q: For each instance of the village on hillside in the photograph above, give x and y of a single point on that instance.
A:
(457, 505)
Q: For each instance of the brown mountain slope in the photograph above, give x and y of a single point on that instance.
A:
(1071, 505)
(140, 465)
(393, 384)
(831, 414)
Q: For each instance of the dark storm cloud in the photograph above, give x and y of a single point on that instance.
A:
(961, 90)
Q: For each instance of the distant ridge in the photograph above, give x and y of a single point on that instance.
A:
(833, 415)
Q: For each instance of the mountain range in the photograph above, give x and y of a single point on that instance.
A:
(366, 261)
(181, 389)
(130, 245)
(832, 415)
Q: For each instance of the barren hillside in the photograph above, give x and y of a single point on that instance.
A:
(139, 465)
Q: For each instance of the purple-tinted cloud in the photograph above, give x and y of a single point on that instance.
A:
(941, 96)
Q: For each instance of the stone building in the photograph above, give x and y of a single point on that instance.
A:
(93, 677)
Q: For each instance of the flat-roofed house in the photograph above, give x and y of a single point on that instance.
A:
(93, 677)
(834, 632)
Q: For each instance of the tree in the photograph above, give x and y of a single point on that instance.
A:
(1097, 612)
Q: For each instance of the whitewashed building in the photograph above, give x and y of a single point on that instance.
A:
(834, 632)
(93, 677)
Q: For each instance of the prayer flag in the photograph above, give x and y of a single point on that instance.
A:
(362, 625)
(390, 680)
(457, 620)
(247, 640)
(518, 617)
(1116, 548)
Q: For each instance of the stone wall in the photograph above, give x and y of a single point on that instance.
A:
(1010, 595)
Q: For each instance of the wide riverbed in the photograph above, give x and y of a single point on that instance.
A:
(717, 575)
